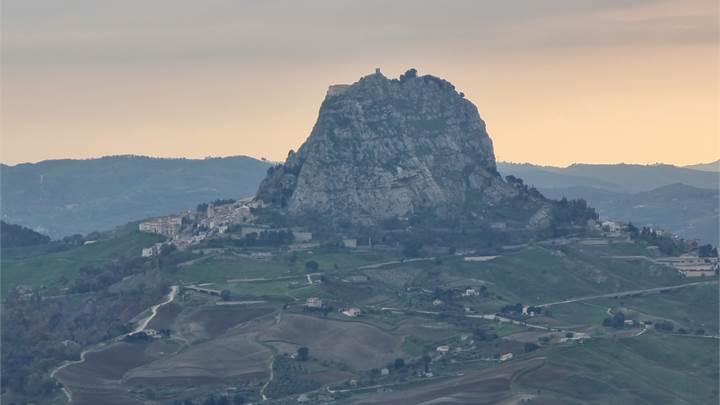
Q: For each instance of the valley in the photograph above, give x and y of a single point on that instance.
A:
(428, 330)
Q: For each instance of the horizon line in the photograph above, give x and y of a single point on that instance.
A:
(263, 159)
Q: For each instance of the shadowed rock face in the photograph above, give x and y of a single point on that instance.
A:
(386, 148)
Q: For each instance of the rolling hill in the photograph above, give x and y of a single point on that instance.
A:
(707, 167)
(682, 200)
(64, 197)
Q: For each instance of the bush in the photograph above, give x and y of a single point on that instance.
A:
(311, 266)
(225, 295)
(303, 353)
(531, 347)
(666, 326)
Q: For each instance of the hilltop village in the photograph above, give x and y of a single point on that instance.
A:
(232, 220)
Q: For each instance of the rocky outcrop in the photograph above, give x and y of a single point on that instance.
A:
(387, 148)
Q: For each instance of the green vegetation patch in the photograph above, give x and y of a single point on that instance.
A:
(48, 268)
(538, 275)
(648, 369)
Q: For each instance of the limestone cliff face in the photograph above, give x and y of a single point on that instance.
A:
(385, 148)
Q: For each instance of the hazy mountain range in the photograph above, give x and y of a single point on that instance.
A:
(708, 167)
(63, 197)
(677, 198)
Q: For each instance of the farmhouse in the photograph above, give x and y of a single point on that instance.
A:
(350, 243)
(470, 292)
(613, 226)
(352, 312)
(314, 302)
(506, 356)
(443, 349)
(153, 250)
(300, 236)
(691, 266)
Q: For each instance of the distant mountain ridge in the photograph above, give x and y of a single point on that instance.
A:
(63, 197)
(614, 177)
(679, 199)
(81, 196)
(707, 167)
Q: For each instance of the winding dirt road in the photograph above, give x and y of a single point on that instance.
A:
(142, 325)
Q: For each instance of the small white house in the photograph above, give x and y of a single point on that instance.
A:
(506, 356)
(352, 312)
(314, 302)
(443, 349)
(301, 236)
(350, 243)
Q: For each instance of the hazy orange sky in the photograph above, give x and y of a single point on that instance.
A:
(557, 81)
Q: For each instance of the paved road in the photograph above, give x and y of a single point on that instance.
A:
(654, 290)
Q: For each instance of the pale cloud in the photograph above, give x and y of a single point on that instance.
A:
(219, 77)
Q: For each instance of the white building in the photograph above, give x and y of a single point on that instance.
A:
(314, 302)
(167, 226)
(300, 236)
(506, 356)
(352, 312)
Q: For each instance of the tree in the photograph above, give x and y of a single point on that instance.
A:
(707, 251)
(409, 74)
(225, 295)
(311, 266)
(303, 353)
(426, 362)
(617, 321)
(665, 326)
(238, 399)
(399, 363)
(531, 347)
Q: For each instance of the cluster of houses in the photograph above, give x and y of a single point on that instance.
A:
(218, 218)
(166, 226)
(317, 303)
(691, 266)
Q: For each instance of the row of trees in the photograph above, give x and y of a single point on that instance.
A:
(665, 243)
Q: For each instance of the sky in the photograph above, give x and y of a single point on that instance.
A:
(556, 81)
